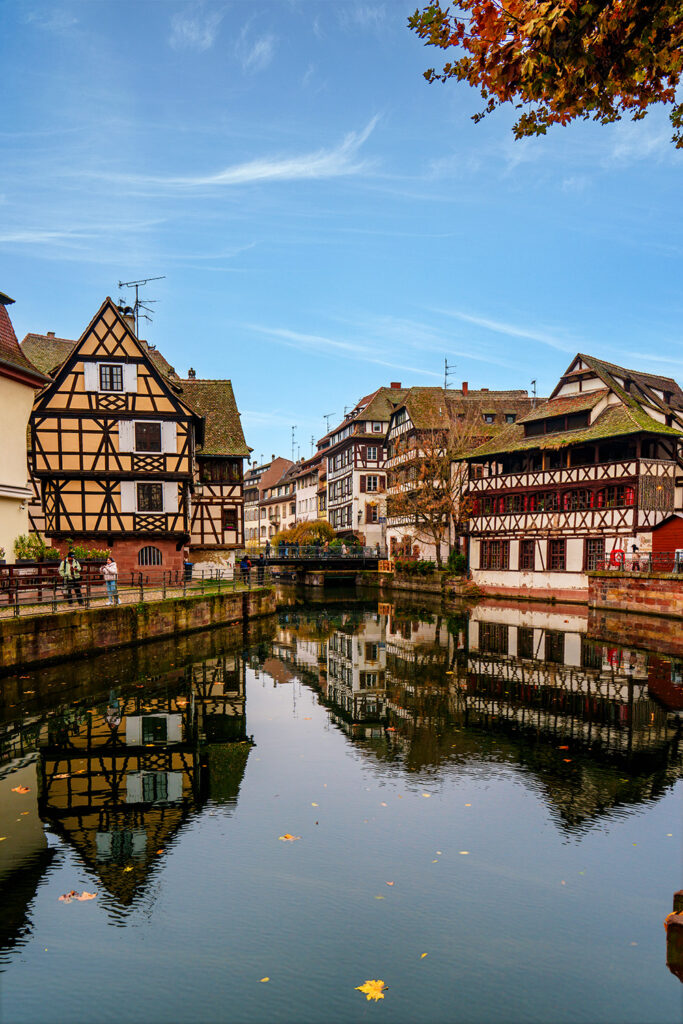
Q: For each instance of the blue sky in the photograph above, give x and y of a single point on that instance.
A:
(325, 220)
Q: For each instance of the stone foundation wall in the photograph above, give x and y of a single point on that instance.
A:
(642, 595)
(41, 638)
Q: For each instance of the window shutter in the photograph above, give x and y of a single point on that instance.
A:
(91, 377)
(126, 435)
(130, 377)
(362, 484)
(171, 496)
(128, 496)
(169, 443)
(380, 483)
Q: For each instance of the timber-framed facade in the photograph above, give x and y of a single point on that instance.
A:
(579, 483)
(114, 443)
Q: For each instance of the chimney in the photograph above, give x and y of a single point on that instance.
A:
(395, 384)
(484, 389)
(191, 374)
(128, 316)
(50, 334)
(464, 387)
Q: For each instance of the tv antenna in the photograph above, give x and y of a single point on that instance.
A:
(293, 442)
(533, 392)
(312, 443)
(327, 417)
(139, 304)
(448, 371)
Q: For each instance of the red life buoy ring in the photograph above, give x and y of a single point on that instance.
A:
(613, 657)
(617, 556)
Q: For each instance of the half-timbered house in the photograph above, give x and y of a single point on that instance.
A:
(427, 428)
(119, 442)
(356, 474)
(577, 484)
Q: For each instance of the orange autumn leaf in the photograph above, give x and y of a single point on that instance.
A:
(21, 789)
(372, 989)
(389, 883)
(86, 896)
(287, 838)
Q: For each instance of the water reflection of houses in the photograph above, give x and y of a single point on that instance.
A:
(119, 779)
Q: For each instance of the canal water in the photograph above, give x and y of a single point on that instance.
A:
(481, 810)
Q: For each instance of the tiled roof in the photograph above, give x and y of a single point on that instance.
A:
(429, 408)
(11, 354)
(565, 404)
(646, 380)
(215, 401)
(617, 421)
(45, 351)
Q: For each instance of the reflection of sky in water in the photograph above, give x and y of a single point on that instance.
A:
(553, 912)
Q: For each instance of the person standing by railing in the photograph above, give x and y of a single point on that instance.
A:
(110, 571)
(70, 571)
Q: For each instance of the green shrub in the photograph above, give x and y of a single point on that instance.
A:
(34, 547)
(457, 563)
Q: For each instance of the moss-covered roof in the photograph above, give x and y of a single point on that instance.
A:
(617, 421)
(565, 404)
(431, 408)
(648, 382)
(215, 401)
(45, 351)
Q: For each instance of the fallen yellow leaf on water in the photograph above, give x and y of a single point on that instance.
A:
(307, 719)
(64, 775)
(438, 853)
(86, 896)
(264, 979)
(389, 883)
(20, 789)
(427, 794)
(383, 804)
(372, 989)
(463, 853)
(468, 805)
(314, 805)
(435, 862)
(127, 869)
(2, 839)
(287, 838)
(423, 955)
(25, 812)
(380, 897)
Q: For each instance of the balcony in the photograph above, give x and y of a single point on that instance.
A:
(601, 472)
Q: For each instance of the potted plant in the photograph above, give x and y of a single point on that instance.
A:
(2, 556)
(23, 552)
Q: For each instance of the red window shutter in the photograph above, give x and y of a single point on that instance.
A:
(362, 484)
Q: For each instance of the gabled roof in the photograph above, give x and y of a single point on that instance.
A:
(47, 352)
(430, 407)
(608, 371)
(215, 401)
(11, 355)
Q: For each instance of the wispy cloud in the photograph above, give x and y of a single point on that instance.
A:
(511, 330)
(254, 54)
(369, 17)
(195, 29)
(320, 343)
(340, 161)
(56, 20)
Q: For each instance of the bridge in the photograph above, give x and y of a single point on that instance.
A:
(315, 568)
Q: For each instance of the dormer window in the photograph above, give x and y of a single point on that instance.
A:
(111, 377)
(510, 417)
(489, 417)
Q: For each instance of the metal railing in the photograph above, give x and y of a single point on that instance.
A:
(24, 592)
(639, 563)
(315, 552)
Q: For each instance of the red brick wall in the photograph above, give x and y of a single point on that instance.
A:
(125, 551)
(640, 594)
(667, 539)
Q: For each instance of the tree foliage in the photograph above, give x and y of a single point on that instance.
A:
(427, 485)
(562, 59)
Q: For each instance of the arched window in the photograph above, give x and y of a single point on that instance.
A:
(149, 556)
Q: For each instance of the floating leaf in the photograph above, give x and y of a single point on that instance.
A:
(427, 795)
(563, 748)
(287, 838)
(264, 979)
(64, 775)
(380, 897)
(464, 853)
(372, 989)
(21, 789)
(86, 896)
(468, 805)
(567, 760)
(389, 883)
(314, 805)
(383, 804)
(423, 955)
(129, 868)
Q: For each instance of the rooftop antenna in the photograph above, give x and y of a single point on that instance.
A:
(293, 431)
(533, 392)
(327, 417)
(139, 304)
(448, 371)
(312, 443)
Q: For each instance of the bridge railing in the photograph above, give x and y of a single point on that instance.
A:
(641, 562)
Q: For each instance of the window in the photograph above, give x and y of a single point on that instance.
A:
(510, 417)
(111, 377)
(554, 646)
(154, 729)
(147, 436)
(525, 642)
(377, 428)
(372, 483)
(220, 471)
(489, 417)
(150, 498)
(149, 556)
(557, 554)
(493, 637)
(527, 555)
(292, 509)
(371, 651)
(154, 787)
(495, 554)
(591, 654)
(230, 519)
(372, 453)
(371, 514)
(594, 553)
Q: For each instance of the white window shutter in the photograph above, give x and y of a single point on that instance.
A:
(130, 377)
(128, 496)
(169, 444)
(171, 496)
(126, 435)
(91, 376)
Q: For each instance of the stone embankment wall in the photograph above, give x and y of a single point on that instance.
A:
(435, 583)
(652, 632)
(49, 637)
(641, 595)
